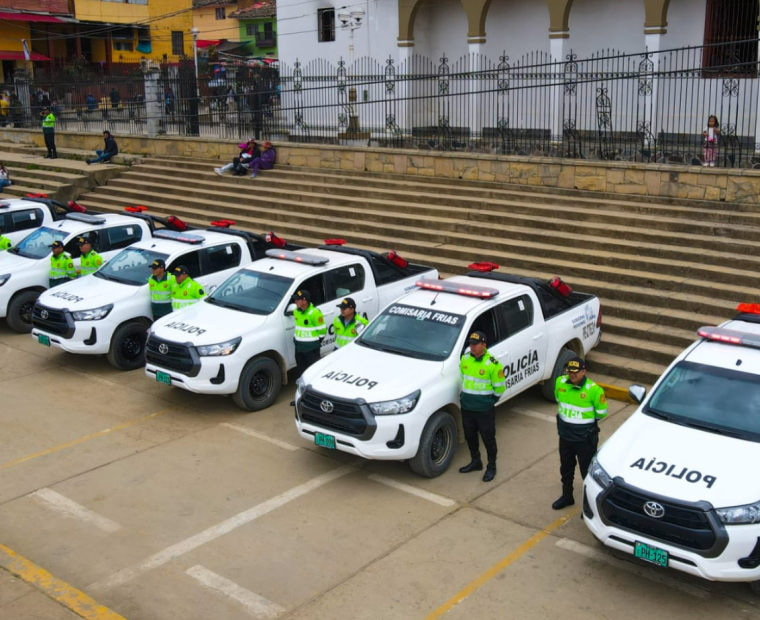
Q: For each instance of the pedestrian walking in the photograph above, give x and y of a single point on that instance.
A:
(349, 324)
(581, 404)
(482, 384)
(185, 291)
(48, 131)
(61, 266)
(161, 285)
(310, 331)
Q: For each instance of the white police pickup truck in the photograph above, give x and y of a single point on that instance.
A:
(109, 312)
(675, 485)
(25, 268)
(20, 216)
(394, 393)
(239, 341)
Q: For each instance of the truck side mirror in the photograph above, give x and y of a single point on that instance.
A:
(290, 310)
(637, 393)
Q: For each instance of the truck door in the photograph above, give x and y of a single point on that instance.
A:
(218, 263)
(526, 343)
(20, 224)
(487, 323)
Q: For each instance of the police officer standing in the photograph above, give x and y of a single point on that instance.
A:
(349, 324)
(161, 285)
(581, 403)
(310, 331)
(90, 261)
(48, 131)
(5, 243)
(482, 384)
(61, 266)
(185, 291)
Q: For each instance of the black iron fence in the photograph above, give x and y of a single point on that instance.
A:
(651, 107)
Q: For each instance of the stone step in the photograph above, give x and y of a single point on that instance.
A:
(655, 351)
(668, 335)
(666, 318)
(623, 369)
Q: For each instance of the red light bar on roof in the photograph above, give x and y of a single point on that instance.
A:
(730, 336)
(335, 242)
(36, 195)
(297, 257)
(748, 308)
(444, 286)
(136, 209)
(485, 267)
(223, 223)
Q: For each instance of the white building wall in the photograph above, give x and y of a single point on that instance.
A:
(441, 28)
(686, 24)
(517, 27)
(597, 25)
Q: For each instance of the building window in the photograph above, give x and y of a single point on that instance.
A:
(220, 14)
(250, 30)
(122, 46)
(178, 43)
(268, 29)
(326, 25)
(730, 36)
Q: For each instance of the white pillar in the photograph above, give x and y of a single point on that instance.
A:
(476, 86)
(558, 46)
(652, 42)
(154, 100)
(403, 90)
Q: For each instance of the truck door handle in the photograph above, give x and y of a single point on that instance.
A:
(537, 336)
(366, 299)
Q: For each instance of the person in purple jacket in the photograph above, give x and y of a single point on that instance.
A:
(265, 162)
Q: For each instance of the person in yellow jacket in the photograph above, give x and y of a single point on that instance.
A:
(61, 266)
(161, 286)
(310, 331)
(90, 261)
(48, 131)
(186, 291)
(349, 324)
(5, 243)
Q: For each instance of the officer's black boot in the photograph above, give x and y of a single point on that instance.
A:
(54, 155)
(490, 472)
(566, 500)
(474, 465)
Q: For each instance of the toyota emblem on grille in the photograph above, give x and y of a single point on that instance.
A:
(163, 349)
(326, 406)
(44, 314)
(654, 510)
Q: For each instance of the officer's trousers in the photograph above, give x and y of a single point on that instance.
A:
(483, 422)
(569, 453)
(304, 359)
(50, 143)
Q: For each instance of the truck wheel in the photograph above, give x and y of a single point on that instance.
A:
(436, 446)
(547, 389)
(259, 386)
(19, 317)
(128, 347)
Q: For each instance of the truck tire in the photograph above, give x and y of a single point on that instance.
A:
(260, 384)
(547, 389)
(19, 317)
(755, 587)
(128, 347)
(437, 444)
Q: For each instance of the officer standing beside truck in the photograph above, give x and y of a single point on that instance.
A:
(90, 261)
(61, 266)
(5, 243)
(161, 285)
(185, 291)
(581, 403)
(482, 384)
(310, 331)
(349, 324)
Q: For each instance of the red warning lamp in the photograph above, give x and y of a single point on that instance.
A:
(75, 206)
(223, 223)
(335, 242)
(483, 267)
(136, 209)
(175, 223)
(748, 308)
(396, 259)
(36, 195)
(560, 287)
(275, 240)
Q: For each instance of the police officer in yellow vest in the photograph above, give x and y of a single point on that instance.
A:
(581, 403)
(61, 266)
(482, 384)
(161, 285)
(185, 291)
(48, 131)
(90, 261)
(5, 243)
(349, 324)
(310, 331)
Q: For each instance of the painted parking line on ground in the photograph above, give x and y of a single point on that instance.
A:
(220, 529)
(75, 442)
(652, 574)
(534, 414)
(256, 605)
(478, 583)
(68, 596)
(412, 490)
(71, 509)
(252, 433)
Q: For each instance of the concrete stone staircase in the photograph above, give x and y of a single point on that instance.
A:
(662, 268)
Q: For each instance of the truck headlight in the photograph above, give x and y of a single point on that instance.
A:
(96, 314)
(4, 278)
(393, 407)
(601, 477)
(740, 515)
(300, 387)
(223, 348)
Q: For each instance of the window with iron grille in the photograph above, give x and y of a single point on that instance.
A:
(326, 25)
(250, 30)
(730, 37)
(178, 43)
(220, 13)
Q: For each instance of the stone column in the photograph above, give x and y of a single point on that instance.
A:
(558, 47)
(404, 87)
(154, 100)
(476, 86)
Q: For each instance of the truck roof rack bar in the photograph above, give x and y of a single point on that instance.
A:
(150, 219)
(248, 236)
(533, 283)
(368, 254)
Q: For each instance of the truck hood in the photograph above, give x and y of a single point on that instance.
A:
(13, 263)
(204, 323)
(88, 293)
(358, 372)
(682, 463)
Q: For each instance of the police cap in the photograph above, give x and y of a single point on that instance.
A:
(158, 264)
(56, 244)
(83, 241)
(302, 294)
(180, 269)
(576, 365)
(477, 338)
(347, 303)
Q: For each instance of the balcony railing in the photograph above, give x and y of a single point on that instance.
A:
(266, 39)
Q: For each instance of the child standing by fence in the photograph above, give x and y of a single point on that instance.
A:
(711, 133)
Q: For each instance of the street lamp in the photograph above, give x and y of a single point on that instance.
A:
(351, 20)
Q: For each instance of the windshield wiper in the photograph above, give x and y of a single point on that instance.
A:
(711, 429)
(658, 414)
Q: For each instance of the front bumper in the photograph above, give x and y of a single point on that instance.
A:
(82, 337)
(735, 543)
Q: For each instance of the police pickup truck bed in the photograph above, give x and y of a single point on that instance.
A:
(394, 393)
(19, 217)
(239, 340)
(109, 312)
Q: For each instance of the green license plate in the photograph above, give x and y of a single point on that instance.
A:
(326, 441)
(163, 377)
(43, 339)
(651, 554)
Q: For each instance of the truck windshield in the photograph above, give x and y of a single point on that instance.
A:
(717, 400)
(414, 332)
(37, 245)
(130, 266)
(251, 291)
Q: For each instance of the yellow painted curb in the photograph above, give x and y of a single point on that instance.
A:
(67, 595)
(616, 393)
